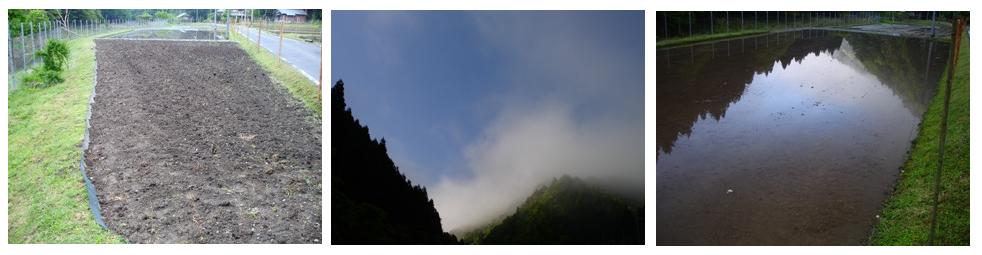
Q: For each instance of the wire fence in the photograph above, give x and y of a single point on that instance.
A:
(675, 25)
(26, 39)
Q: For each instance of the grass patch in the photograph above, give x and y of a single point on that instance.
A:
(284, 74)
(47, 201)
(905, 219)
(917, 22)
(703, 38)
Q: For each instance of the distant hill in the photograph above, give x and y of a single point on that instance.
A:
(567, 211)
(371, 201)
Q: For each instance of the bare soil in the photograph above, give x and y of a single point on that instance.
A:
(193, 143)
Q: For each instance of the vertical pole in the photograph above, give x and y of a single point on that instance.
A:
(727, 22)
(956, 38)
(711, 24)
(10, 63)
(279, 53)
(932, 23)
(690, 23)
(259, 38)
(34, 43)
(665, 15)
(755, 20)
(228, 25)
(23, 48)
(741, 20)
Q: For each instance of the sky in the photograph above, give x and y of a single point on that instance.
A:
(482, 107)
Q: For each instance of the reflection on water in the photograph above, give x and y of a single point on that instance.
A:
(788, 138)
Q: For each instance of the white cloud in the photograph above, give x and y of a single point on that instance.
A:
(574, 105)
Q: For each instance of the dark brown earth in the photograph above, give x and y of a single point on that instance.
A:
(192, 143)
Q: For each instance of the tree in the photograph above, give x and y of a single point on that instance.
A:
(371, 201)
(26, 17)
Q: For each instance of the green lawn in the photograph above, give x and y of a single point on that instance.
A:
(281, 72)
(905, 219)
(47, 199)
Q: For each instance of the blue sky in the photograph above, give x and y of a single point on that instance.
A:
(475, 100)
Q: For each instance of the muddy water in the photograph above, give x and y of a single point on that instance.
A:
(789, 139)
(171, 33)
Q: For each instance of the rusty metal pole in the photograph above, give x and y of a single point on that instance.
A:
(956, 39)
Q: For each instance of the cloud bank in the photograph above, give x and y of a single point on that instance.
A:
(574, 105)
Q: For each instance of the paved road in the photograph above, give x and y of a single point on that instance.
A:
(305, 57)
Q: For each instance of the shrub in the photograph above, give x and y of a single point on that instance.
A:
(39, 77)
(54, 58)
(54, 55)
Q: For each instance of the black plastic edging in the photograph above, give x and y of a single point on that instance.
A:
(93, 199)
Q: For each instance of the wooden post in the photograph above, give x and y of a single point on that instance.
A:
(259, 38)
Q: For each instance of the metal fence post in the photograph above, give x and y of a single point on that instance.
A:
(727, 22)
(34, 43)
(711, 24)
(23, 48)
(10, 63)
(690, 23)
(665, 16)
(280, 52)
(741, 20)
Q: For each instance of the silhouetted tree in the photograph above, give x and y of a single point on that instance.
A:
(371, 201)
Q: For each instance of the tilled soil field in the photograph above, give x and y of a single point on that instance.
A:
(191, 142)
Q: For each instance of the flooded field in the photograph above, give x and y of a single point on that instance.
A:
(172, 33)
(786, 139)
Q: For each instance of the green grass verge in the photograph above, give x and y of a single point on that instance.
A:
(917, 22)
(905, 219)
(703, 38)
(284, 74)
(47, 200)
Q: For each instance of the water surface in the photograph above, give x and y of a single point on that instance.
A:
(790, 138)
(171, 33)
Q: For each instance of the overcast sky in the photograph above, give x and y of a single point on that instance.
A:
(481, 107)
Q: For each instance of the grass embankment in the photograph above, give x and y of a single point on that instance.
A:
(905, 219)
(703, 38)
(917, 22)
(47, 201)
(284, 74)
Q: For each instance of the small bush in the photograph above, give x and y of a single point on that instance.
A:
(39, 77)
(54, 55)
(54, 58)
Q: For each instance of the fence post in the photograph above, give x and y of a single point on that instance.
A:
(932, 23)
(727, 22)
(690, 23)
(259, 38)
(10, 63)
(23, 48)
(34, 43)
(741, 20)
(711, 24)
(665, 17)
(280, 52)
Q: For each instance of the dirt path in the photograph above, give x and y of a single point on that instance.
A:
(192, 143)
